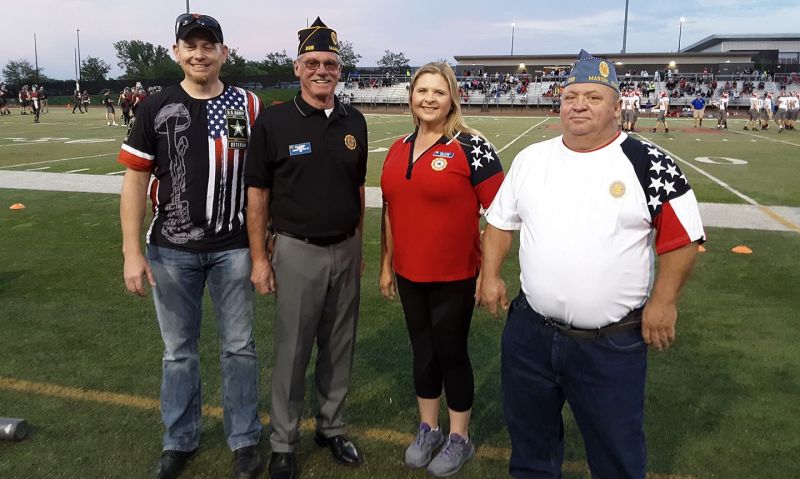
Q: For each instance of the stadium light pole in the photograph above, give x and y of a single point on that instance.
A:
(625, 28)
(36, 58)
(79, 55)
(187, 6)
(680, 30)
(512, 37)
(75, 51)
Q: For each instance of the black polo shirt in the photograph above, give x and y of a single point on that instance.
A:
(313, 164)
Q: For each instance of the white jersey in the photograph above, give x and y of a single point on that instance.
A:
(589, 222)
(768, 104)
(783, 102)
(754, 103)
(627, 103)
(663, 104)
(723, 103)
(794, 102)
(759, 104)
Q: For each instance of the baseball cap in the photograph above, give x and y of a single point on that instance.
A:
(188, 22)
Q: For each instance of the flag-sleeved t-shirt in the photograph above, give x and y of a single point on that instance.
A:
(589, 223)
(434, 205)
(196, 151)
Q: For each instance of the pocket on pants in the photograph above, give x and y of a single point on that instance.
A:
(625, 341)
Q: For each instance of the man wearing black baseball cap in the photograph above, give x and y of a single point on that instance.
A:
(192, 137)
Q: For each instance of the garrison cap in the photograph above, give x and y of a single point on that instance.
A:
(317, 38)
(589, 69)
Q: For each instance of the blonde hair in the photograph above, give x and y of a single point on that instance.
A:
(455, 121)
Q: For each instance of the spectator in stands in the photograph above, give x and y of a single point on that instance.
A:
(430, 254)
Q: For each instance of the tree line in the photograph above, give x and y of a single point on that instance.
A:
(140, 60)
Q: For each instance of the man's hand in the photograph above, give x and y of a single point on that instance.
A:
(387, 284)
(135, 268)
(491, 293)
(263, 277)
(658, 324)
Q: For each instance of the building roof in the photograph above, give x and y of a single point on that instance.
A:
(712, 40)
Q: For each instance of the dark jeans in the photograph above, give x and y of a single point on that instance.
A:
(438, 316)
(602, 380)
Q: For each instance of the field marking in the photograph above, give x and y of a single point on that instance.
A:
(769, 212)
(765, 138)
(397, 438)
(384, 139)
(116, 172)
(40, 168)
(521, 135)
(58, 161)
(77, 171)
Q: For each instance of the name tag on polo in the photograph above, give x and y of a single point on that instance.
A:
(300, 149)
(443, 154)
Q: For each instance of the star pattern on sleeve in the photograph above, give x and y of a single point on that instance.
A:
(481, 156)
(666, 181)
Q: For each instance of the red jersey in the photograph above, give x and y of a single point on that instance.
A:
(434, 205)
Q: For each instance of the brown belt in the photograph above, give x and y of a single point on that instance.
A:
(630, 321)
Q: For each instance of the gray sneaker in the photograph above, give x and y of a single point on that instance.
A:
(419, 453)
(453, 455)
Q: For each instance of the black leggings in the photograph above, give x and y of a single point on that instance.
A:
(438, 316)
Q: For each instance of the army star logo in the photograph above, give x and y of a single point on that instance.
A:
(439, 164)
(350, 142)
(603, 67)
(617, 189)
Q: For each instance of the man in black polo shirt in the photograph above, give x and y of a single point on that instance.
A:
(305, 172)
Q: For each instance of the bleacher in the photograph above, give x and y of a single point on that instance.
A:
(371, 92)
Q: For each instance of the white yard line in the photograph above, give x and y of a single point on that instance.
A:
(520, 136)
(58, 160)
(765, 138)
(765, 209)
(39, 169)
(116, 172)
(77, 171)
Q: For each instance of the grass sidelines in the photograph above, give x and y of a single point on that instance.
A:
(721, 404)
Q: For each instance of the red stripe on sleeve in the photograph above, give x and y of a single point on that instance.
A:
(132, 161)
(487, 189)
(670, 233)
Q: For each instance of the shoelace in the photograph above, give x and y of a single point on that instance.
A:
(450, 447)
(421, 437)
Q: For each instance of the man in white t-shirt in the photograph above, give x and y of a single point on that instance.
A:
(753, 112)
(722, 114)
(594, 207)
(782, 113)
(663, 109)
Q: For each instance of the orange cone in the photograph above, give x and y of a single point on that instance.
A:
(17, 206)
(742, 249)
(701, 249)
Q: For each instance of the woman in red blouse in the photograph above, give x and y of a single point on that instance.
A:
(434, 183)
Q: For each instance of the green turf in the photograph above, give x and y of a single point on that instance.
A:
(722, 403)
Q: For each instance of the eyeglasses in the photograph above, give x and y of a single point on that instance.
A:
(189, 18)
(330, 66)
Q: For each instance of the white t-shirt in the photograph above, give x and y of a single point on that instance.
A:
(589, 222)
(663, 104)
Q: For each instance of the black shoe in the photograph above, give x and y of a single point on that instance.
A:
(283, 465)
(171, 463)
(247, 463)
(343, 451)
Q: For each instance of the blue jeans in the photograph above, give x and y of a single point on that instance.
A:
(178, 295)
(603, 381)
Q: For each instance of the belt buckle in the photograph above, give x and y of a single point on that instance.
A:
(556, 324)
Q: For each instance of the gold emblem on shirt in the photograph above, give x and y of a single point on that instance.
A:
(350, 142)
(617, 189)
(439, 164)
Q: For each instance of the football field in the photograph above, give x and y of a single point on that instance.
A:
(80, 358)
